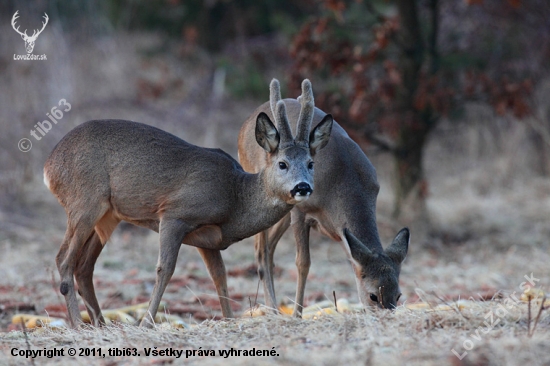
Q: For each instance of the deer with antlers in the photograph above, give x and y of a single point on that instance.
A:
(106, 171)
(343, 208)
(29, 40)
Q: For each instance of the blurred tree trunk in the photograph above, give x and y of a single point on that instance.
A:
(408, 156)
(414, 125)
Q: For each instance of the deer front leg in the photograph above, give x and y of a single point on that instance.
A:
(303, 261)
(214, 263)
(264, 268)
(172, 233)
(265, 249)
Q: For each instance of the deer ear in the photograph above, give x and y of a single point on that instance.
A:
(398, 249)
(359, 251)
(267, 135)
(318, 138)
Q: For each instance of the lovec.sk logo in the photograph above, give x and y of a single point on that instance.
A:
(29, 40)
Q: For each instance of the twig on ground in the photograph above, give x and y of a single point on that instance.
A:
(26, 338)
(542, 307)
(529, 315)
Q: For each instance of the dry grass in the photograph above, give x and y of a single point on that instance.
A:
(416, 338)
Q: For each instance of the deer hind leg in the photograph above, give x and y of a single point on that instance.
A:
(84, 270)
(79, 230)
(84, 278)
(265, 244)
(214, 263)
(303, 260)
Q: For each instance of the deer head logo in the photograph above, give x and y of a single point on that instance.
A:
(29, 41)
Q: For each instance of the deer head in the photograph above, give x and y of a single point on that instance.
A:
(290, 159)
(378, 273)
(29, 40)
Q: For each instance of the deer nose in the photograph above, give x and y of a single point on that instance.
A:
(301, 189)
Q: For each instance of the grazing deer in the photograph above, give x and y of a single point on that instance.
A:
(29, 40)
(343, 208)
(106, 171)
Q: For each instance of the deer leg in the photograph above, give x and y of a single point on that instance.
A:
(303, 261)
(274, 234)
(79, 230)
(214, 263)
(67, 285)
(172, 233)
(260, 250)
(84, 278)
(265, 249)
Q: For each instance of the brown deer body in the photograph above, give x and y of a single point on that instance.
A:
(106, 171)
(343, 208)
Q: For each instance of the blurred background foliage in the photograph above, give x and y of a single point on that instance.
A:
(389, 70)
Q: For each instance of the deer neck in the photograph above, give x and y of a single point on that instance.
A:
(364, 228)
(258, 206)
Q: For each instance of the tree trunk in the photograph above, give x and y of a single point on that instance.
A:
(410, 142)
(409, 174)
(415, 125)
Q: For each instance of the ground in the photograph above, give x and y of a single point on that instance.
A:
(491, 252)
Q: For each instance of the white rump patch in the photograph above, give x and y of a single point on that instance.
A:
(46, 180)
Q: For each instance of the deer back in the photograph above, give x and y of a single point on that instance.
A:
(143, 171)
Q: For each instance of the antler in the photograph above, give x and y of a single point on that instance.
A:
(34, 34)
(15, 16)
(278, 110)
(306, 114)
(274, 95)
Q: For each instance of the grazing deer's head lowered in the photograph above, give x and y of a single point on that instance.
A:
(29, 40)
(377, 274)
(103, 172)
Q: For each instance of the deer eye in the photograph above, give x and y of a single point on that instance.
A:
(373, 297)
(282, 165)
(310, 165)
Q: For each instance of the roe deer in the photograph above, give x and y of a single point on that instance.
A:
(343, 208)
(106, 171)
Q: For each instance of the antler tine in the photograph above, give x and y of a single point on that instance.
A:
(283, 125)
(13, 21)
(274, 96)
(46, 18)
(306, 114)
